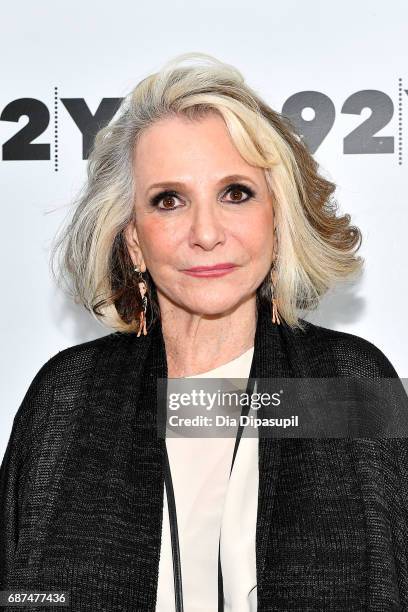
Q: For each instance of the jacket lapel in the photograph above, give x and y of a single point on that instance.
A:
(270, 360)
(311, 533)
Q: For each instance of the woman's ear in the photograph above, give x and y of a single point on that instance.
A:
(132, 242)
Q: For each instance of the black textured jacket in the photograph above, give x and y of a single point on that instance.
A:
(82, 483)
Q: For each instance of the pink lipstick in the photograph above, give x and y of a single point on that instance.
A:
(207, 271)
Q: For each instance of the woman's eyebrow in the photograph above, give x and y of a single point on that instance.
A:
(179, 184)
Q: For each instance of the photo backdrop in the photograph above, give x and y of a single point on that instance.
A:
(338, 70)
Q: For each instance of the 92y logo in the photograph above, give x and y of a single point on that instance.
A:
(361, 140)
(21, 147)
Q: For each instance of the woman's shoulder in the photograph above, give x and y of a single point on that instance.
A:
(354, 355)
(59, 391)
(84, 355)
(73, 359)
(67, 374)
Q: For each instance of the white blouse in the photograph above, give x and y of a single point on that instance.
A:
(208, 503)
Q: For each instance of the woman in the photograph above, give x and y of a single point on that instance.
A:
(209, 196)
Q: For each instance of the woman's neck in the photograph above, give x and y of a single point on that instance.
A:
(197, 343)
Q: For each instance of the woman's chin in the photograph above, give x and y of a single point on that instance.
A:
(213, 306)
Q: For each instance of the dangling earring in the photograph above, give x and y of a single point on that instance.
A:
(142, 315)
(275, 314)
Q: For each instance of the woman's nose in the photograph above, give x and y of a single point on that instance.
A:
(207, 228)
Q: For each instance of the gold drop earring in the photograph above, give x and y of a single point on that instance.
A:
(142, 285)
(275, 313)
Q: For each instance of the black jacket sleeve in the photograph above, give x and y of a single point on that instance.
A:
(27, 423)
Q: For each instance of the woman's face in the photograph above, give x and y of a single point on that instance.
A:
(142, 289)
(203, 221)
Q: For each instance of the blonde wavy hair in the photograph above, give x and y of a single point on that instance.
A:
(316, 246)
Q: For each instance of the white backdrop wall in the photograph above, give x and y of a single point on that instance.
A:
(339, 68)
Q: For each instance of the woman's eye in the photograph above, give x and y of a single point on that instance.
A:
(166, 198)
(237, 191)
(167, 202)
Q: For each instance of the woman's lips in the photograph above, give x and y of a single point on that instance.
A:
(203, 271)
